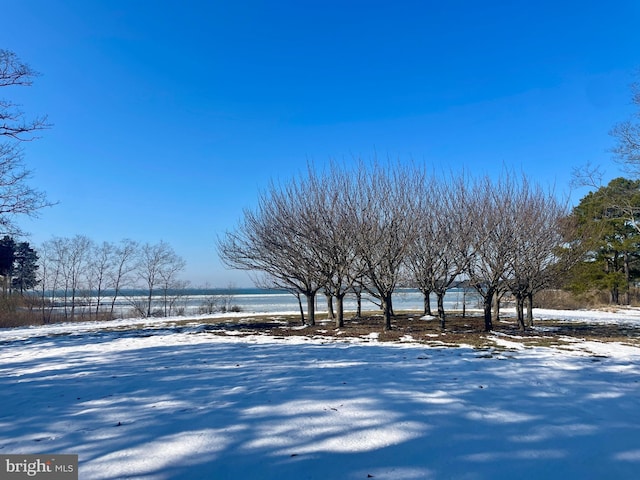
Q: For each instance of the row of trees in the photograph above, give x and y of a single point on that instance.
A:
(378, 226)
(88, 277)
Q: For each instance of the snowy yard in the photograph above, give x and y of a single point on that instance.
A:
(154, 403)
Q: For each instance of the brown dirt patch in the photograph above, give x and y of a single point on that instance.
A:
(468, 330)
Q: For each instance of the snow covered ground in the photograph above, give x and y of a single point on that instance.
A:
(156, 403)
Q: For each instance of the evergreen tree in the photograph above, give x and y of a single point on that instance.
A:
(613, 259)
(7, 257)
(25, 268)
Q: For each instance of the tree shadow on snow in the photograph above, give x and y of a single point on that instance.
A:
(184, 406)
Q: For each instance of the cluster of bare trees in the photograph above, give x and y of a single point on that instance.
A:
(85, 278)
(376, 227)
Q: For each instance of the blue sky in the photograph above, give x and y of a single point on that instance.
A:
(170, 116)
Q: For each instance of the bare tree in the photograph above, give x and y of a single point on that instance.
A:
(271, 283)
(172, 287)
(627, 135)
(331, 226)
(385, 213)
(56, 255)
(156, 266)
(16, 196)
(14, 72)
(49, 278)
(123, 257)
(425, 249)
(71, 259)
(537, 239)
(100, 266)
(76, 268)
(440, 252)
(274, 239)
(492, 238)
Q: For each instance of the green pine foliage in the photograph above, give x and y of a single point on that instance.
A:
(18, 266)
(608, 225)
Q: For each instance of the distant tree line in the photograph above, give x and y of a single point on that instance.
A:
(375, 227)
(78, 277)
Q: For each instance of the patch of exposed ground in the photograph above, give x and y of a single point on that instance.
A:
(406, 327)
(468, 330)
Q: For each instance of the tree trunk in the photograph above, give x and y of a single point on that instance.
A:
(311, 308)
(73, 304)
(330, 313)
(340, 307)
(530, 309)
(301, 309)
(66, 301)
(627, 278)
(387, 311)
(487, 302)
(615, 296)
(358, 304)
(427, 302)
(441, 313)
(116, 292)
(464, 303)
(43, 300)
(149, 302)
(496, 308)
(98, 299)
(520, 311)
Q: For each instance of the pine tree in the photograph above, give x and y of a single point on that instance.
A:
(608, 216)
(25, 268)
(7, 257)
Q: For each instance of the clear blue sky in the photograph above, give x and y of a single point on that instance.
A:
(170, 116)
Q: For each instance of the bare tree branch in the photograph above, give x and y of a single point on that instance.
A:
(627, 135)
(587, 175)
(16, 196)
(14, 72)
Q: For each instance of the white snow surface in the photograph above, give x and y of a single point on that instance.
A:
(156, 402)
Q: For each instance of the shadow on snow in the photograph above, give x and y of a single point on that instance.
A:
(202, 406)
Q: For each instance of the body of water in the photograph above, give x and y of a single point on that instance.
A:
(255, 300)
